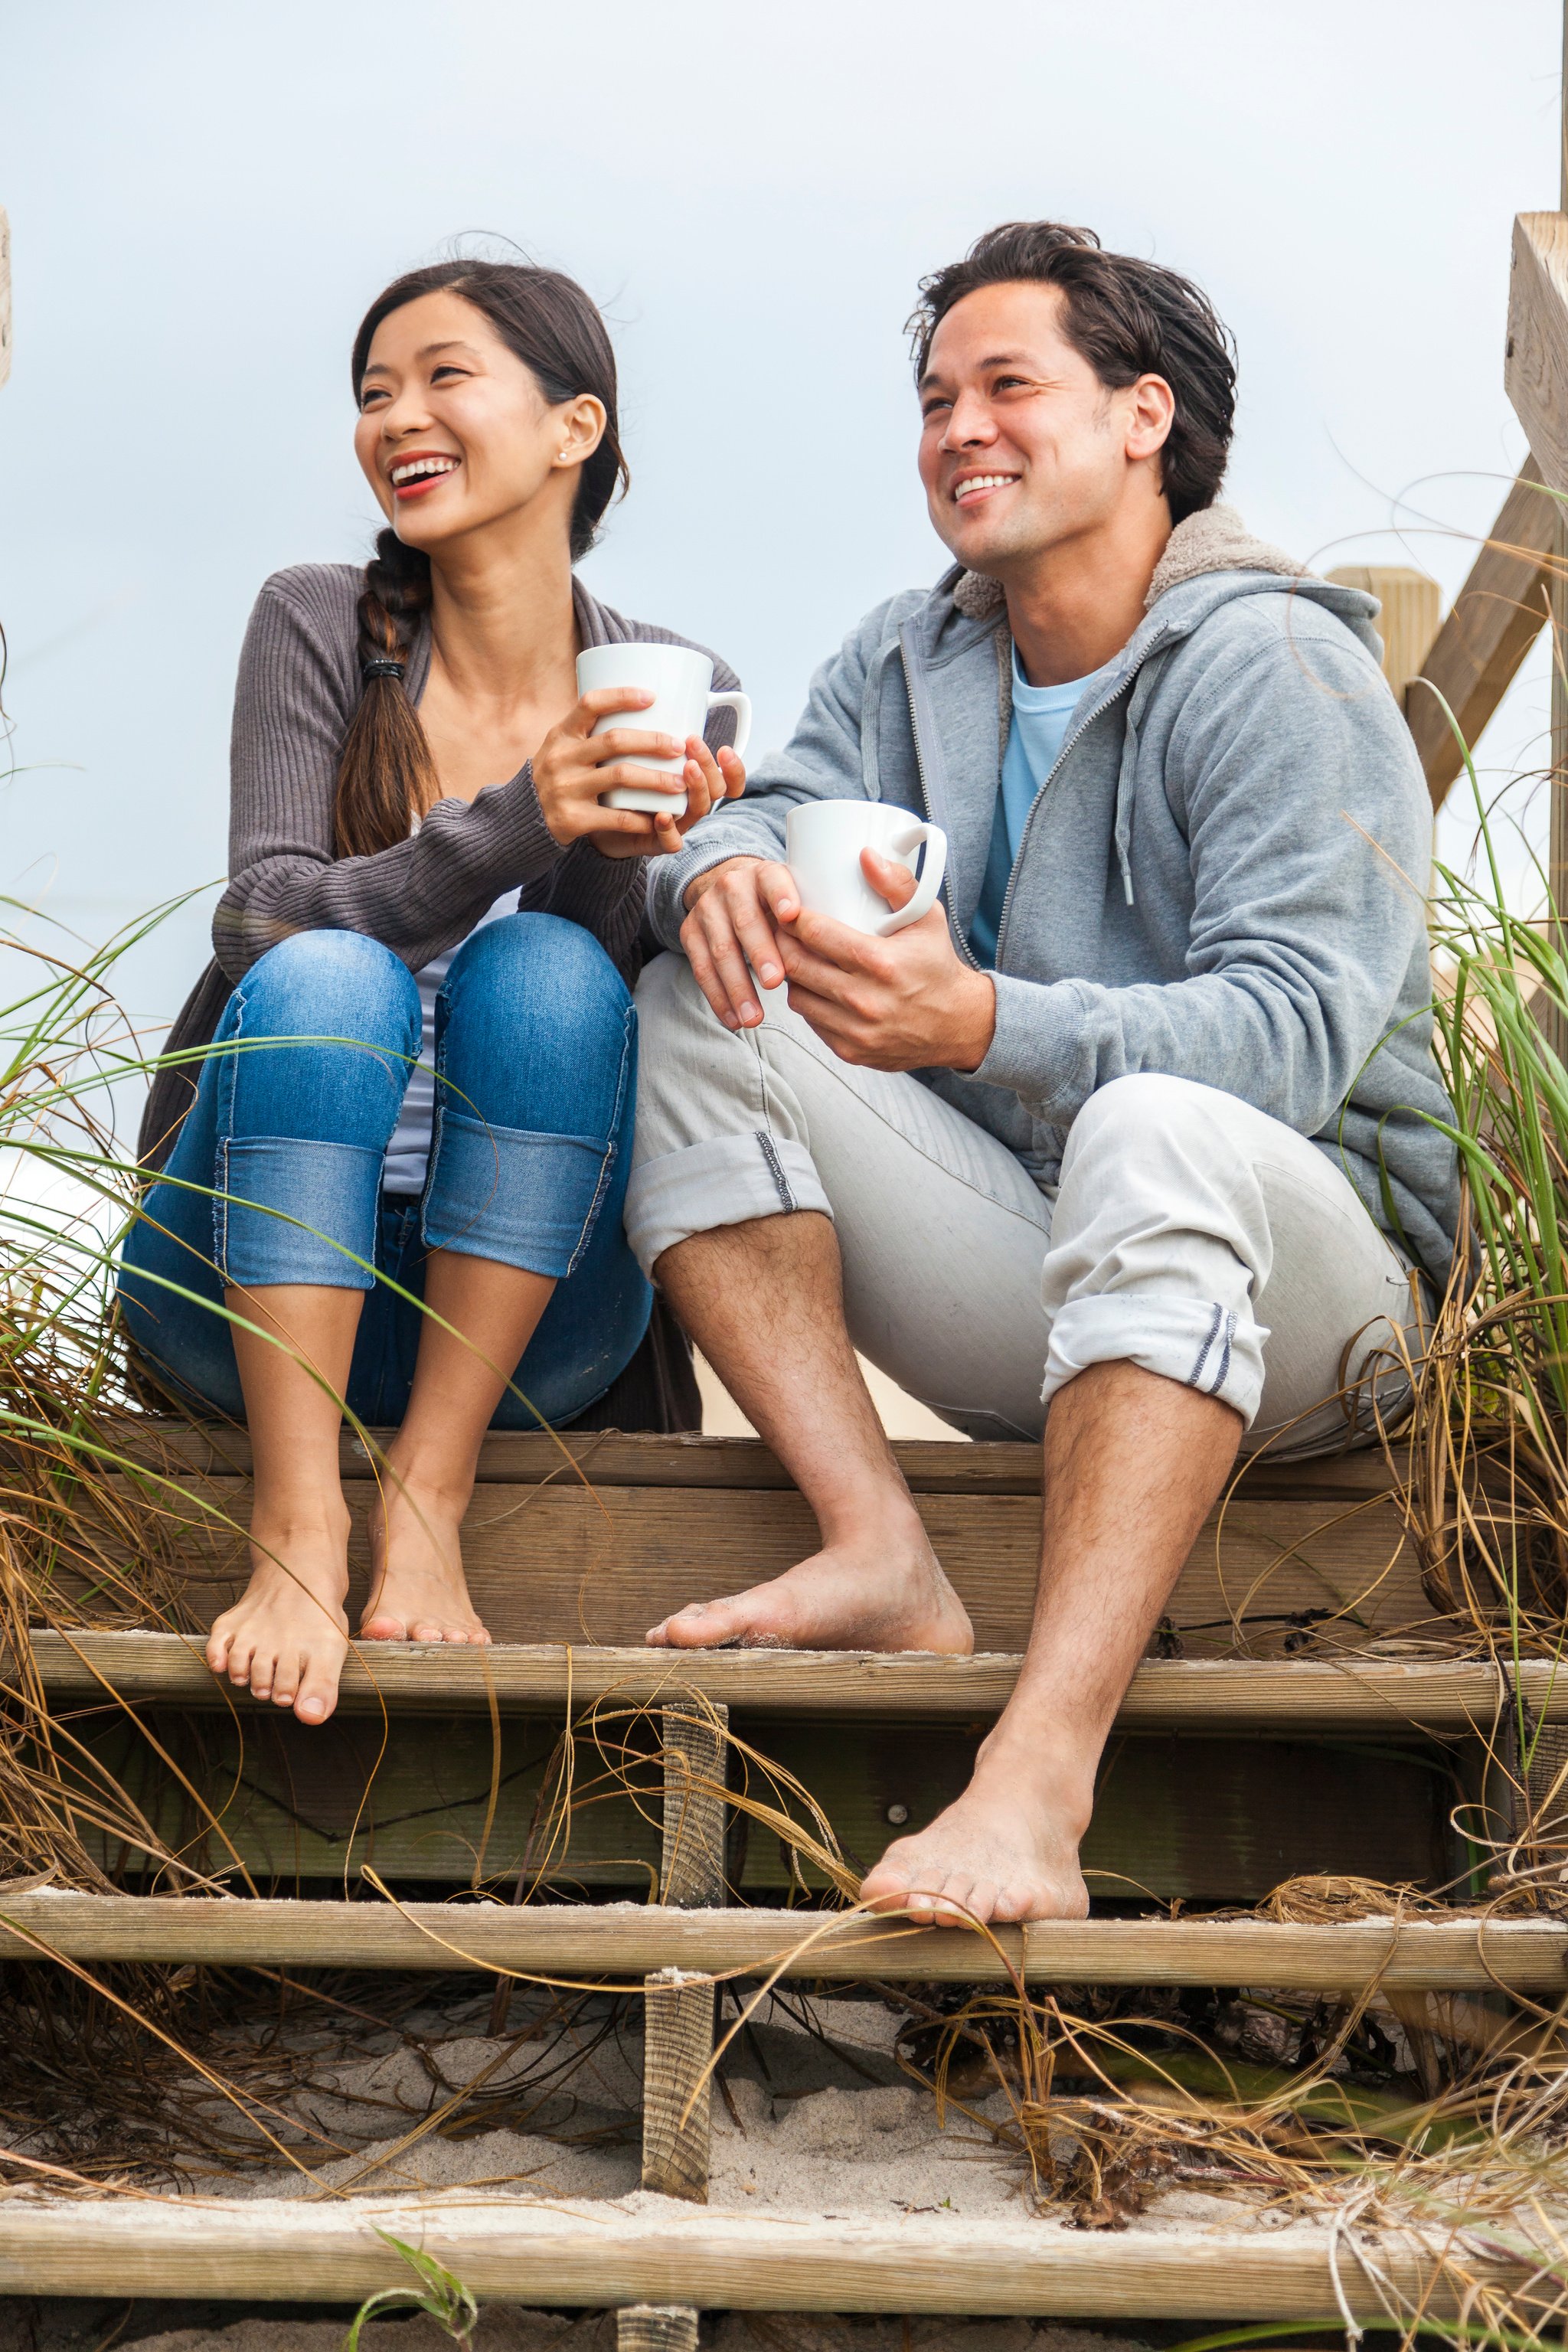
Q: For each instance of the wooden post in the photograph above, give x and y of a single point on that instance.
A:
(656, 2327)
(1411, 616)
(678, 2039)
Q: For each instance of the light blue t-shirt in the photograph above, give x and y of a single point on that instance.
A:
(1040, 715)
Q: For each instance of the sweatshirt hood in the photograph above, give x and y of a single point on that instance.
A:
(1210, 559)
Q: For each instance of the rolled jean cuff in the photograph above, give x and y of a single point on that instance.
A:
(502, 1192)
(1200, 1342)
(289, 1209)
(726, 1180)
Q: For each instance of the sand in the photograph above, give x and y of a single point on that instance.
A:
(816, 2123)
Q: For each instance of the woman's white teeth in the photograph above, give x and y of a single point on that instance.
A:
(984, 482)
(417, 465)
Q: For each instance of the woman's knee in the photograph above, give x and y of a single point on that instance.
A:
(332, 985)
(542, 970)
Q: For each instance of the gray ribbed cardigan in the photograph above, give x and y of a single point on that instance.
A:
(298, 688)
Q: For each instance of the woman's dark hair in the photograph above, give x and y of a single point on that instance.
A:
(386, 774)
(1127, 318)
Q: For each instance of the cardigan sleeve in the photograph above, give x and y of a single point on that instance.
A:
(296, 695)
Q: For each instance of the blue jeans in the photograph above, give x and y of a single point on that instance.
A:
(276, 1174)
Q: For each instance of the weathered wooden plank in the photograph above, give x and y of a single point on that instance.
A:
(1496, 618)
(616, 1458)
(429, 1798)
(656, 2328)
(678, 2027)
(605, 2254)
(623, 1941)
(550, 1564)
(1289, 1694)
(1536, 367)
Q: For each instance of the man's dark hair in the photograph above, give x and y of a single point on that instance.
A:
(1127, 318)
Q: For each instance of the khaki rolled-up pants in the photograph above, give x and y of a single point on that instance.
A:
(1189, 1234)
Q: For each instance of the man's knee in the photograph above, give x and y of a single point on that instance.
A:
(1142, 1115)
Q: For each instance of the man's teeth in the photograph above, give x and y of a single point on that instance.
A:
(984, 482)
(417, 465)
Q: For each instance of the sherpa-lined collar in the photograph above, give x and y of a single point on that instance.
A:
(1214, 539)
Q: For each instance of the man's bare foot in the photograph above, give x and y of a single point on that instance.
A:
(999, 1853)
(885, 1594)
(286, 1638)
(417, 1590)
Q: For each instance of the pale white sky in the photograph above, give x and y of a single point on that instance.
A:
(203, 197)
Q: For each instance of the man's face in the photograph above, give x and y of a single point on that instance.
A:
(1022, 447)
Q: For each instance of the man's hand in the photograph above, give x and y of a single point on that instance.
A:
(901, 1003)
(736, 912)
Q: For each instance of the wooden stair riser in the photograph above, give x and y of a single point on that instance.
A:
(552, 1564)
(1205, 1819)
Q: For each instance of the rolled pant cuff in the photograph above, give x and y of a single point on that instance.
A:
(502, 1192)
(726, 1180)
(293, 1209)
(1199, 1342)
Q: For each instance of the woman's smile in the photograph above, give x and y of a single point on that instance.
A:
(414, 475)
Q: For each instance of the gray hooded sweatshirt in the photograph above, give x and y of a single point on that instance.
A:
(1222, 878)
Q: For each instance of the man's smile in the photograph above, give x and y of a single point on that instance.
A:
(971, 489)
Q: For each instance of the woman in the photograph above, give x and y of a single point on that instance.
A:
(320, 1182)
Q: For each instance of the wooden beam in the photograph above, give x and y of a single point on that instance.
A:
(656, 2328)
(607, 2253)
(625, 1941)
(1536, 368)
(1185, 1693)
(677, 2017)
(1496, 618)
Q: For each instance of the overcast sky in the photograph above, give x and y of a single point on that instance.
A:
(205, 197)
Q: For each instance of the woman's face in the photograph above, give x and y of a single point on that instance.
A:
(454, 433)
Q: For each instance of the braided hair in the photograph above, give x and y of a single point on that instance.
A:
(386, 774)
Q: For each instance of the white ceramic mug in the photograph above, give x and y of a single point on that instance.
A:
(822, 841)
(681, 681)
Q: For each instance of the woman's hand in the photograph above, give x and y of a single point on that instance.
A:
(574, 767)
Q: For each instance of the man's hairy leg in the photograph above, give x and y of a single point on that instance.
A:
(1133, 1466)
(764, 1302)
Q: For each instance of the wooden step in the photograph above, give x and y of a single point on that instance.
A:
(1364, 1694)
(654, 2250)
(630, 1940)
(1290, 1559)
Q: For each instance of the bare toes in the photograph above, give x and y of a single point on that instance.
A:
(317, 1696)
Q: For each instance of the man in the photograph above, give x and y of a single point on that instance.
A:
(1137, 1127)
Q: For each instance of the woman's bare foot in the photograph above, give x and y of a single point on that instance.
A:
(417, 1590)
(888, 1593)
(286, 1638)
(1001, 1853)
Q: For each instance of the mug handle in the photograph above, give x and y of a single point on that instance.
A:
(928, 884)
(740, 704)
